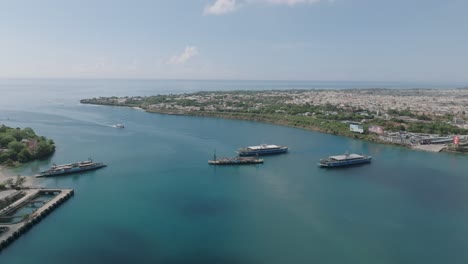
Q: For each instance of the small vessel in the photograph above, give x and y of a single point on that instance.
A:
(118, 126)
(57, 170)
(263, 149)
(236, 161)
(344, 160)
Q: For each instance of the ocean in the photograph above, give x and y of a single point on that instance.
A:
(158, 201)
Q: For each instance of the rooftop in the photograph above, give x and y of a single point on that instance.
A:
(264, 146)
(345, 157)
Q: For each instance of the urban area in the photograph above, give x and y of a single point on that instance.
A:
(426, 119)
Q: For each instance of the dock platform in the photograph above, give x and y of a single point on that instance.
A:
(9, 232)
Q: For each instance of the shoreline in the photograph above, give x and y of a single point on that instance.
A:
(373, 139)
(31, 181)
(284, 121)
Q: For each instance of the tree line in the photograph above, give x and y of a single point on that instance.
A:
(23, 145)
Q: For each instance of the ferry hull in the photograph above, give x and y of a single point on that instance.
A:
(236, 161)
(262, 152)
(345, 163)
(71, 171)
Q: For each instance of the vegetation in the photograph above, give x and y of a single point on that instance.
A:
(440, 128)
(280, 108)
(23, 145)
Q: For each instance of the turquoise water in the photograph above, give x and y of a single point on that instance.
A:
(159, 201)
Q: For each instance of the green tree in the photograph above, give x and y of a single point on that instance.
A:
(20, 181)
(29, 132)
(16, 146)
(44, 149)
(4, 157)
(9, 182)
(17, 134)
(24, 155)
(12, 155)
(5, 140)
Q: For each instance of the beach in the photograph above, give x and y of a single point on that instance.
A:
(5, 175)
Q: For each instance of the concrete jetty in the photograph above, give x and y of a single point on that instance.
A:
(430, 148)
(10, 232)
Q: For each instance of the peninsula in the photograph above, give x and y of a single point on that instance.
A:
(22, 145)
(427, 119)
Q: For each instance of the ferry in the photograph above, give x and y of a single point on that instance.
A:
(57, 170)
(235, 161)
(263, 149)
(344, 160)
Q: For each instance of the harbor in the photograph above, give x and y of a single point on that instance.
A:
(17, 218)
(286, 210)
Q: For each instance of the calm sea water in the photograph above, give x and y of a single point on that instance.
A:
(159, 201)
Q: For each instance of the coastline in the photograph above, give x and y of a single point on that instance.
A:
(287, 108)
(373, 138)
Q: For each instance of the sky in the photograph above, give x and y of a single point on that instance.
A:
(336, 40)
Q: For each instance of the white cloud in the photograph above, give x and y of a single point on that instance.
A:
(289, 2)
(187, 54)
(220, 7)
(292, 2)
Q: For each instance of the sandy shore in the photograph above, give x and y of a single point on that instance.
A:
(5, 175)
(2, 171)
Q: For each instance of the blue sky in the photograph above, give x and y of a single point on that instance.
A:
(358, 40)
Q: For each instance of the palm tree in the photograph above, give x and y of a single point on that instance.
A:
(19, 182)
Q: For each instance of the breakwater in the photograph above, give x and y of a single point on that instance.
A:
(10, 230)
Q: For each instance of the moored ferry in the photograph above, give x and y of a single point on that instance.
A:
(57, 170)
(344, 160)
(263, 149)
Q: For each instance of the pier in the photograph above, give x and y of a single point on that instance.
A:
(10, 231)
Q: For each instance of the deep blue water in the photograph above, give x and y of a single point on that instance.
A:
(159, 201)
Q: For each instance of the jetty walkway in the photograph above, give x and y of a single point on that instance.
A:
(9, 232)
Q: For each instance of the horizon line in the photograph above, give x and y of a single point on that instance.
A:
(234, 80)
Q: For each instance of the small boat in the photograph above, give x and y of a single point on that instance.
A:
(57, 170)
(263, 149)
(344, 160)
(118, 126)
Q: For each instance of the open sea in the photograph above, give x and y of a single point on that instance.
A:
(158, 201)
